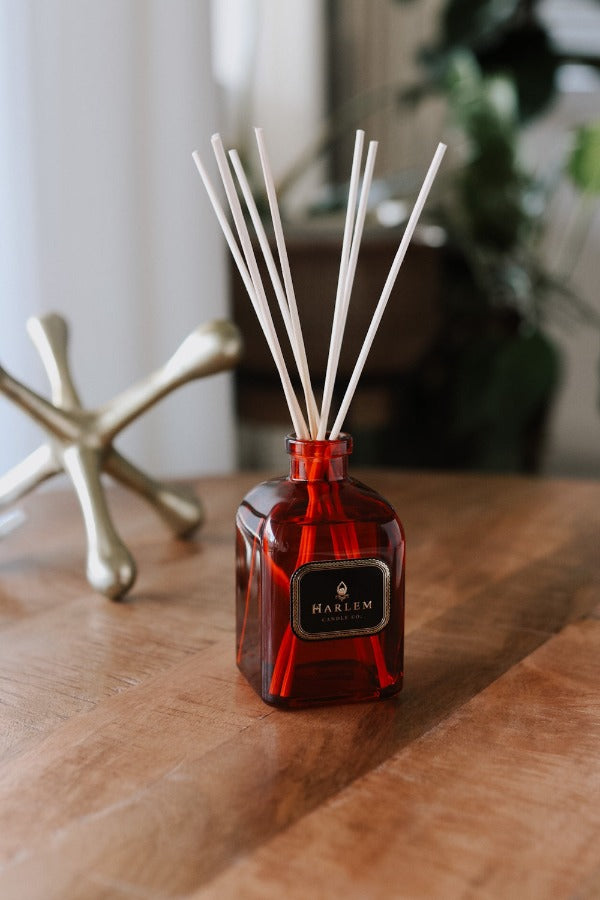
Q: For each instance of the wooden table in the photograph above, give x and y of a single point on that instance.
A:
(136, 762)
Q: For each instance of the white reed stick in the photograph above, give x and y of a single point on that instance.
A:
(244, 235)
(263, 241)
(299, 358)
(387, 289)
(313, 413)
(292, 402)
(346, 276)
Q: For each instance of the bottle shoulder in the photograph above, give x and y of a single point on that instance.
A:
(281, 499)
(262, 497)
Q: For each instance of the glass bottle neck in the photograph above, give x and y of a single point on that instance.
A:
(319, 460)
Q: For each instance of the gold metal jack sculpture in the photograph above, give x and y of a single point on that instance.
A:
(80, 441)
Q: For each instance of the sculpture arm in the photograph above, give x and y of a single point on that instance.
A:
(180, 509)
(22, 478)
(110, 567)
(50, 337)
(55, 420)
(211, 348)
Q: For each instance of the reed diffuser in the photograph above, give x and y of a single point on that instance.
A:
(320, 557)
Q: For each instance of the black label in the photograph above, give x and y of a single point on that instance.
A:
(340, 598)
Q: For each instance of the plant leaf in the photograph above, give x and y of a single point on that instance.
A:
(584, 163)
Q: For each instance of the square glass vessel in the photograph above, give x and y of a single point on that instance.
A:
(320, 563)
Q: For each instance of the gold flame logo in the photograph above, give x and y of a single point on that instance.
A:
(342, 591)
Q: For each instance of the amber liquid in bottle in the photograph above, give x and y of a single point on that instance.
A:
(320, 583)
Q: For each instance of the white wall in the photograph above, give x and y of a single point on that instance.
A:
(102, 215)
(270, 68)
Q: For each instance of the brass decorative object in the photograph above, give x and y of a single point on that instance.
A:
(80, 441)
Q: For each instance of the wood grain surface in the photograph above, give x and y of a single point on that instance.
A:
(135, 762)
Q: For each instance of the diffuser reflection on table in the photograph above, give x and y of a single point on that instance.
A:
(320, 583)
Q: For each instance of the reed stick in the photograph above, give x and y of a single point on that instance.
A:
(291, 399)
(313, 413)
(343, 297)
(387, 289)
(344, 256)
(244, 236)
(296, 345)
(263, 241)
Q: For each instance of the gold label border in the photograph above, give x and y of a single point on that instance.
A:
(338, 564)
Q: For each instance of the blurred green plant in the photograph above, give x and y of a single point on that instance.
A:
(584, 163)
(505, 37)
(482, 396)
(488, 384)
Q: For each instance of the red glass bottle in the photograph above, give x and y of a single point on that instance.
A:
(320, 583)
